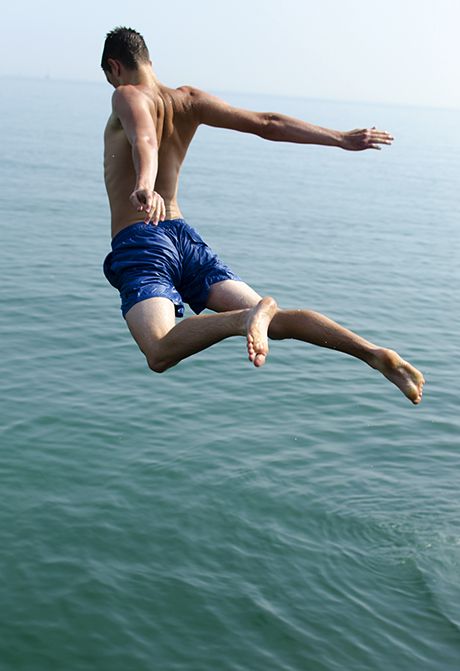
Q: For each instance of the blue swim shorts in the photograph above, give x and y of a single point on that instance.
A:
(169, 260)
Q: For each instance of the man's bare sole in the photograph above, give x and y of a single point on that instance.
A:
(258, 321)
(407, 378)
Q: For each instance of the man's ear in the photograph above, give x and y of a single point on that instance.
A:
(115, 66)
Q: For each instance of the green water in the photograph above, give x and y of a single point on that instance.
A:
(299, 517)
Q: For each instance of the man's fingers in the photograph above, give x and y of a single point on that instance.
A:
(373, 139)
(141, 201)
(366, 138)
(381, 136)
(157, 209)
(149, 202)
(158, 212)
(163, 210)
(383, 139)
(148, 206)
(149, 211)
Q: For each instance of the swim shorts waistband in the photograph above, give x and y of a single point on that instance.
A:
(132, 228)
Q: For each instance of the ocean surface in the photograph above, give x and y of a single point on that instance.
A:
(300, 517)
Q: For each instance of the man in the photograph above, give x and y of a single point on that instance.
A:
(158, 262)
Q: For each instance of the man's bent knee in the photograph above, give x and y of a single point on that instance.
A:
(158, 366)
(276, 331)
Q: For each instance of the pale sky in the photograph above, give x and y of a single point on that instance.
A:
(390, 51)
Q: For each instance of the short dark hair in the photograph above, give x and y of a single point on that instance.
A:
(125, 45)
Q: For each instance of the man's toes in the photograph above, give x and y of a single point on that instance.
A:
(259, 360)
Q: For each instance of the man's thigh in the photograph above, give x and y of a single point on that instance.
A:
(231, 295)
(149, 321)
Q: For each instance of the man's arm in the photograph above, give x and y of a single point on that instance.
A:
(132, 109)
(281, 128)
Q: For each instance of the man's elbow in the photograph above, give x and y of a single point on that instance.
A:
(145, 141)
(269, 126)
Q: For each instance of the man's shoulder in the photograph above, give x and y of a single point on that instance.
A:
(193, 93)
(129, 92)
(187, 99)
(195, 100)
(189, 90)
(130, 97)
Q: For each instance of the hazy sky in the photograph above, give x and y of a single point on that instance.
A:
(392, 51)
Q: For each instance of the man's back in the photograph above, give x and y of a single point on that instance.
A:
(174, 122)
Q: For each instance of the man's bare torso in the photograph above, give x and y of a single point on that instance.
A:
(172, 112)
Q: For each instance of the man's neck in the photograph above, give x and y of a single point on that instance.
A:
(143, 76)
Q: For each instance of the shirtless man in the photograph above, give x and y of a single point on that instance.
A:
(158, 262)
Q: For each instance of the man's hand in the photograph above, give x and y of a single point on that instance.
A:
(365, 138)
(150, 202)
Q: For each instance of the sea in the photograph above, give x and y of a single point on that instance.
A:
(303, 516)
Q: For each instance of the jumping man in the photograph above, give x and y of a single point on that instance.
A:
(158, 261)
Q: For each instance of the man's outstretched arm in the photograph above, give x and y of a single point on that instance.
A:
(131, 108)
(213, 111)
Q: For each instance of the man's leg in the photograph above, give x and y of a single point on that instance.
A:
(316, 329)
(165, 343)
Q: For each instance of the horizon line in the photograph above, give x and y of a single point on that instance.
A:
(50, 78)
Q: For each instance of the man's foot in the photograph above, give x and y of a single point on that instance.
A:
(258, 321)
(407, 378)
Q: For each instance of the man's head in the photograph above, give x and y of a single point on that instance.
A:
(126, 47)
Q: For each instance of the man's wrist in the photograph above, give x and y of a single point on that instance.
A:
(340, 139)
(143, 186)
